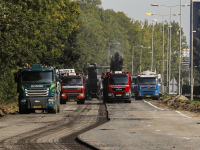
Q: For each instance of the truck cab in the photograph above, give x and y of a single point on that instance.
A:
(148, 86)
(117, 86)
(73, 88)
(38, 88)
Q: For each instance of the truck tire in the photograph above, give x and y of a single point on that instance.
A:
(156, 98)
(127, 101)
(54, 110)
(83, 101)
(22, 111)
(63, 101)
(138, 98)
(58, 110)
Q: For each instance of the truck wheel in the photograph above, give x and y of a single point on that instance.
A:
(83, 101)
(156, 98)
(22, 111)
(63, 101)
(54, 110)
(138, 98)
(127, 101)
(58, 110)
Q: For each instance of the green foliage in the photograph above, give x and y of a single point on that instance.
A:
(70, 34)
(35, 32)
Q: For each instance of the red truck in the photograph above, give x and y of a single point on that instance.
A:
(117, 86)
(73, 88)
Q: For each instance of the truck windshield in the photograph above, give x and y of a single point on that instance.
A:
(118, 79)
(133, 81)
(67, 80)
(147, 81)
(37, 76)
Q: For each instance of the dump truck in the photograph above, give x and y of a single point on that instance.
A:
(117, 86)
(73, 88)
(39, 89)
(148, 85)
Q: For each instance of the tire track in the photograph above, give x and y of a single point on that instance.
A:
(61, 131)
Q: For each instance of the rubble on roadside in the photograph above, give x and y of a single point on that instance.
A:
(177, 103)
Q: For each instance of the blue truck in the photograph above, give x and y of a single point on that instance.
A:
(148, 85)
(39, 89)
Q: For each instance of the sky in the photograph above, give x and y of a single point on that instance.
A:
(137, 9)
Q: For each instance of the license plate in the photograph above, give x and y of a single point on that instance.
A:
(37, 106)
(119, 95)
(148, 96)
(72, 100)
(133, 93)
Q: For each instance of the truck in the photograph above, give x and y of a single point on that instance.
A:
(39, 89)
(133, 85)
(117, 86)
(73, 88)
(148, 85)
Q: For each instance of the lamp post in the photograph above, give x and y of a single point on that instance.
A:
(191, 49)
(150, 14)
(170, 6)
(152, 45)
(110, 49)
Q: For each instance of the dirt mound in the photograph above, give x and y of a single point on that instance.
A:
(8, 109)
(179, 103)
(183, 98)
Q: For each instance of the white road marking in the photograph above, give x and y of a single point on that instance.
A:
(158, 130)
(182, 114)
(170, 134)
(153, 105)
(163, 109)
(186, 138)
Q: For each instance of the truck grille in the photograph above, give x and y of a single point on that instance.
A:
(37, 92)
(148, 87)
(148, 93)
(118, 89)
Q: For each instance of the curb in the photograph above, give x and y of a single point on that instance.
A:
(88, 144)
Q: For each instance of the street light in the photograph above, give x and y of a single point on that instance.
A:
(151, 14)
(170, 41)
(152, 44)
(110, 49)
(191, 49)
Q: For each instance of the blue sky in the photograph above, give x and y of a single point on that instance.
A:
(137, 10)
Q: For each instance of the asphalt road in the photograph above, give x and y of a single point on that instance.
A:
(141, 125)
(38, 131)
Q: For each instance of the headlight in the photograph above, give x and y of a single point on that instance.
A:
(109, 94)
(51, 100)
(23, 101)
(156, 92)
(127, 93)
(139, 93)
(63, 94)
(81, 94)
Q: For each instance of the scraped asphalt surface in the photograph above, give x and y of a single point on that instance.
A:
(141, 125)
